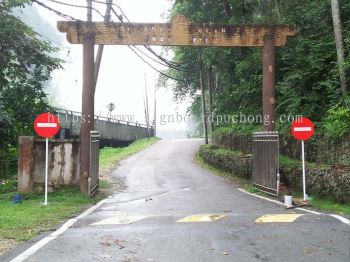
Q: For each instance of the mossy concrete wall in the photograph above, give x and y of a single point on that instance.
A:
(325, 181)
(319, 149)
(63, 159)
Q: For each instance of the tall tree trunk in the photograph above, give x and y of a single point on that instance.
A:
(210, 89)
(278, 10)
(339, 45)
(227, 9)
(204, 115)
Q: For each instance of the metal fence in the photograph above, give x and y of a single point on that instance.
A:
(94, 162)
(266, 162)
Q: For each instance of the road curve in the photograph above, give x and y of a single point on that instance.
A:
(173, 210)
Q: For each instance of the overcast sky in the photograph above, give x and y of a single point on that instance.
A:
(121, 79)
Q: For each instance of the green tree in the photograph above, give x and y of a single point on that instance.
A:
(307, 77)
(26, 66)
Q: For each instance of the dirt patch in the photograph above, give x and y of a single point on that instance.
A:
(7, 244)
(117, 184)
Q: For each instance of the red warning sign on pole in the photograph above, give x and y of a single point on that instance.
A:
(46, 125)
(302, 128)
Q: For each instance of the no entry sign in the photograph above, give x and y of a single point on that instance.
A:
(46, 125)
(302, 128)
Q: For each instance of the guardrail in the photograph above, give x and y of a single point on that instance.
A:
(107, 119)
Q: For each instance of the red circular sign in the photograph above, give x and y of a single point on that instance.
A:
(46, 125)
(302, 128)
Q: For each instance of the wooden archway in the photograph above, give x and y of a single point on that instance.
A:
(179, 32)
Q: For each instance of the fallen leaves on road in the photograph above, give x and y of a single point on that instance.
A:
(108, 241)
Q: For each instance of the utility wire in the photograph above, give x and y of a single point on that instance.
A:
(55, 11)
(77, 6)
(160, 72)
(172, 64)
(148, 56)
(168, 63)
(120, 18)
(132, 48)
(113, 4)
(51, 40)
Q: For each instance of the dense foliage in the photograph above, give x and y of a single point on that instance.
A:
(26, 65)
(307, 77)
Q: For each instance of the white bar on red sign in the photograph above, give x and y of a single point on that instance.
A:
(302, 129)
(46, 124)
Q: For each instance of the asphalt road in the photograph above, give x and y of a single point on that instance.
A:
(153, 219)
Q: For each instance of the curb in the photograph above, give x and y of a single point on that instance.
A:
(340, 218)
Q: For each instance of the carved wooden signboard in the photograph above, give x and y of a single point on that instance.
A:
(179, 32)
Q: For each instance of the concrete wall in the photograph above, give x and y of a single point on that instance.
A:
(63, 164)
(325, 181)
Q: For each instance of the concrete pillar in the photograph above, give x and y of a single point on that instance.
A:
(25, 164)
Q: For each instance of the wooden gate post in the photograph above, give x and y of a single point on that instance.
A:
(269, 83)
(88, 98)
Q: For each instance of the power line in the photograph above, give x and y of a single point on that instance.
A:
(138, 55)
(160, 72)
(55, 11)
(51, 40)
(168, 63)
(113, 4)
(164, 63)
(77, 6)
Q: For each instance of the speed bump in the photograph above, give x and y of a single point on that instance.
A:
(123, 219)
(278, 218)
(200, 218)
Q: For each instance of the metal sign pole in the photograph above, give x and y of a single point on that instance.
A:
(46, 168)
(303, 160)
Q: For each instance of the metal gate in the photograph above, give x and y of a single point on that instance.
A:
(94, 162)
(266, 162)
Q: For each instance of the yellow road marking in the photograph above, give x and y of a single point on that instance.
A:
(119, 220)
(278, 218)
(200, 218)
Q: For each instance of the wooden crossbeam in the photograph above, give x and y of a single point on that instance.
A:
(179, 32)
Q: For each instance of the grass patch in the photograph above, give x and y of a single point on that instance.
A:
(110, 156)
(295, 163)
(104, 184)
(326, 204)
(24, 220)
(330, 205)
(28, 218)
(237, 180)
(219, 151)
(289, 162)
(252, 189)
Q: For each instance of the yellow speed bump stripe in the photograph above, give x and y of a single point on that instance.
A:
(119, 220)
(278, 218)
(200, 218)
